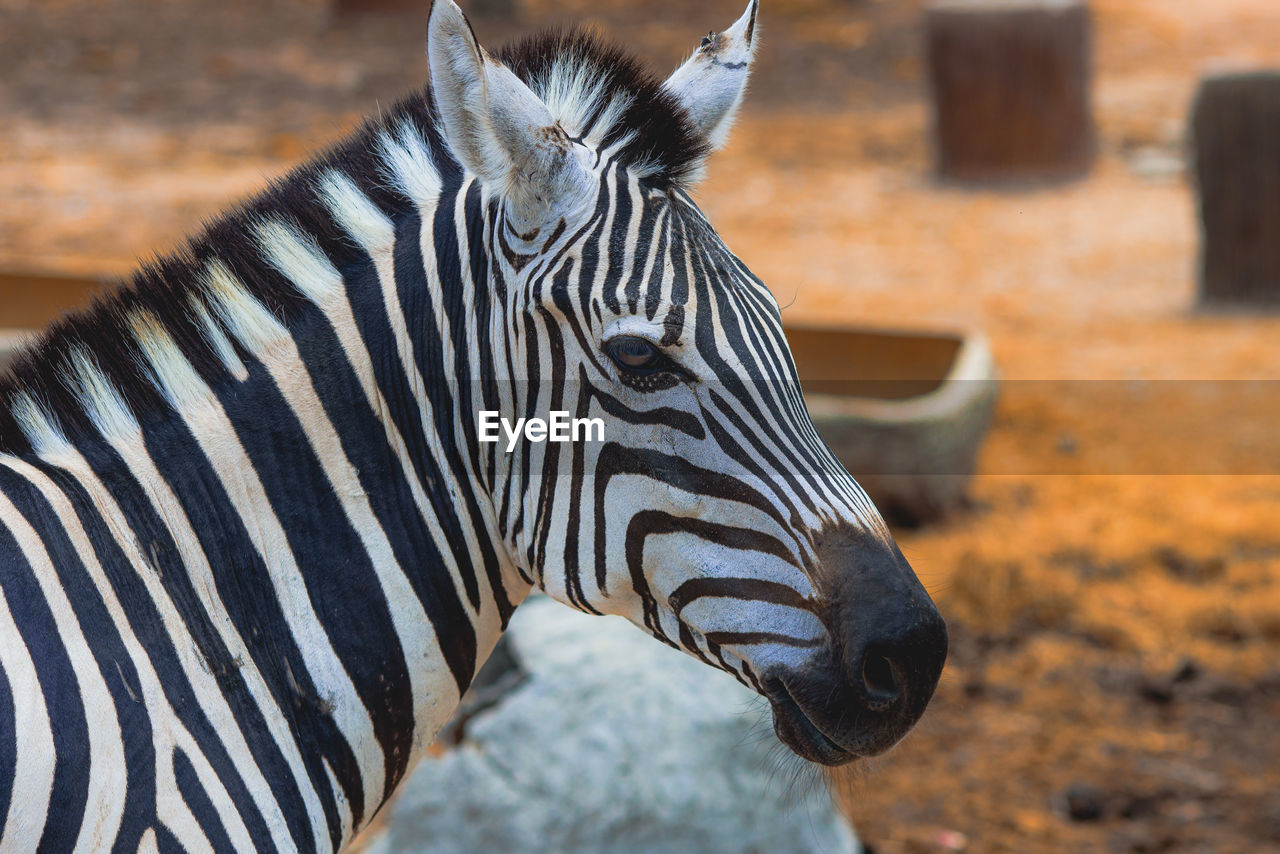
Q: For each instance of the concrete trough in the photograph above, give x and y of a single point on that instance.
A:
(904, 411)
(30, 301)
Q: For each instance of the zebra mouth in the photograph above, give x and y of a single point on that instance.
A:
(798, 731)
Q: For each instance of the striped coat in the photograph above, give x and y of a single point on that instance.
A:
(253, 547)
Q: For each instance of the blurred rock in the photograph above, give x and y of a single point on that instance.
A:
(1084, 802)
(612, 743)
(1157, 166)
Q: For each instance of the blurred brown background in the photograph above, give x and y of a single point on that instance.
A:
(1113, 592)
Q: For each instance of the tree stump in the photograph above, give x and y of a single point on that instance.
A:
(1235, 125)
(1011, 81)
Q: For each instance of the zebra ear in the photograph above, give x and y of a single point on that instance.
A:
(712, 82)
(496, 126)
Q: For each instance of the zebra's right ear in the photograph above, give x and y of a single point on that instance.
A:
(497, 127)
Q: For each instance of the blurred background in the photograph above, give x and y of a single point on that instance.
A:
(1112, 578)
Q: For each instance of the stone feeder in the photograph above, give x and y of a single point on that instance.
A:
(904, 411)
(33, 301)
(9, 340)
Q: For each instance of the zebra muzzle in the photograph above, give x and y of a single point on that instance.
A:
(870, 686)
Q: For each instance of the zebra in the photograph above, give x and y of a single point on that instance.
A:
(253, 550)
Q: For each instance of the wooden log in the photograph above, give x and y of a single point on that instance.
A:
(1235, 127)
(1011, 88)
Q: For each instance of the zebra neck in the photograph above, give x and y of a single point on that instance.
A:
(363, 493)
(377, 384)
(309, 524)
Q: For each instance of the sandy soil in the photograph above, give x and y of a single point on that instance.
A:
(1113, 594)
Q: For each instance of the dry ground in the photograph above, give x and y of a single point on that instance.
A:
(1114, 593)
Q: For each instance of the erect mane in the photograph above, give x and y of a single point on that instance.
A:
(596, 91)
(601, 93)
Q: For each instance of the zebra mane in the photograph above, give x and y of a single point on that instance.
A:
(598, 93)
(604, 95)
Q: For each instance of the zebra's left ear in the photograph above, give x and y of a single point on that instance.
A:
(712, 82)
(498, 129)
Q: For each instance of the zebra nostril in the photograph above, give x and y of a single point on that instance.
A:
(879, 679)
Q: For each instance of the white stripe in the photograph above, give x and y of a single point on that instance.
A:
(410, 166)
(299, 260)
(37, 423)
(344, 809)
(359, 216)
(375, 233)
(247, 319)
(101, 401)
(33, 742)
(218, 340)
(105, 794)
(488, 621)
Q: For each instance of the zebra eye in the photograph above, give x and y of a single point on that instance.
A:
(634, 354)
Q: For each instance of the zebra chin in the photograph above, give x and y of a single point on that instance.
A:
(839, 728)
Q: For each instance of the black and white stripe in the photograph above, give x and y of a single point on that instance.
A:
(251, 550)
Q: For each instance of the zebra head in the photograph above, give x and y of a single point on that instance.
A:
(710, 512)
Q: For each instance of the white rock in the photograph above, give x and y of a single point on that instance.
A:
(614, 744)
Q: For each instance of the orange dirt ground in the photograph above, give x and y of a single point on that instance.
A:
(1114, 592)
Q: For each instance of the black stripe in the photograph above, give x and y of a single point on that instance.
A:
(111, 657)
(615, 460)
(166, 842)
(198, 801)
(428, 347)
(466, 350)
(414, 294)
(8, 736)
(363, 438)
(747, 589)
(651, 523)
(61, 693)
(631, 289)
(365, 444)
(617, 236)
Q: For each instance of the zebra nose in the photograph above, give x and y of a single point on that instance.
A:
(901, 662)
(881, 679)
(894, 641)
